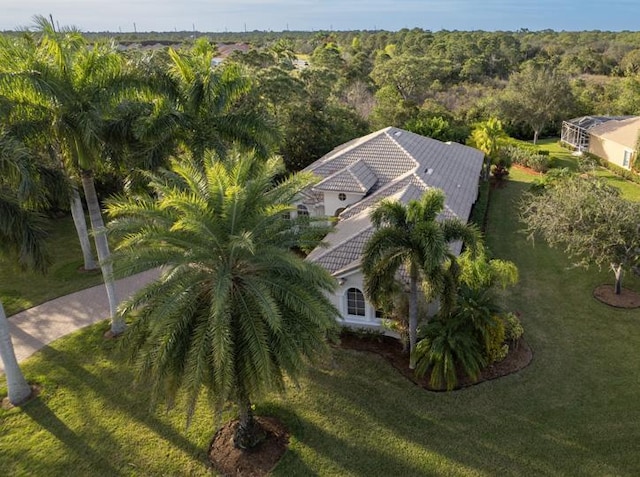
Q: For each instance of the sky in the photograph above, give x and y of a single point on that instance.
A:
(278, 15)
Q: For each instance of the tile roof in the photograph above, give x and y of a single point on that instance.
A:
(405, 166)
(356, 177)
(623, 132)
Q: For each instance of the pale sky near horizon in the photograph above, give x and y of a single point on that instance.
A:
(278, 15)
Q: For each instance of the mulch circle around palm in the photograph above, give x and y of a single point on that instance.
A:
(627, 299)
(519, 357)
(231, 461)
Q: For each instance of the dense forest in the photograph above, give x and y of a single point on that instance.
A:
(316, 90)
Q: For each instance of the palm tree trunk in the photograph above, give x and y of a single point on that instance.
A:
(102, 247)
(413, 315)
(19, 389)
(77, 212)
(248, 434)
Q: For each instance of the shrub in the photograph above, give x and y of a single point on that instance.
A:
(513, 329)
(449, 343)
(495, 348)
(526, 156)
(479, 211)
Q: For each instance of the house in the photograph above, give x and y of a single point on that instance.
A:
(615, 141)
(576, 131)
(387, 164)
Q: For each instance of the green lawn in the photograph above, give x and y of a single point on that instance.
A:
(22, 289)
(573, 411)
(629, 190)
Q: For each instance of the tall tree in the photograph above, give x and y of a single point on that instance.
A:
(590, 220)
(536, 96)
(235, 309)
(21, 231)
(410, 239)
(71, 86)
(200, 107)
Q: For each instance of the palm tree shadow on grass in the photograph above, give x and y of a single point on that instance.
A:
(119, 402)
(48, 420)
(346, 455)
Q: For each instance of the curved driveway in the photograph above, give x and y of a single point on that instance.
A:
(36, 327)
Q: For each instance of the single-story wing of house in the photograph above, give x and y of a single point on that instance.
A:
(388, 164)
(576, 132)
(615, 141)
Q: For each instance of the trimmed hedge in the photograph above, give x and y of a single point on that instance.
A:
(479, 212)
(530, 157)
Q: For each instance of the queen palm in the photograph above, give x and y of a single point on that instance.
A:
(199, 107)
(21, 230)
(410, 240)
(68, 87)
(234, 309)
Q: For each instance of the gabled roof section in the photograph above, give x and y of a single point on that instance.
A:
(624, 132)
(405, 165)
(382, 155)
(357, 177)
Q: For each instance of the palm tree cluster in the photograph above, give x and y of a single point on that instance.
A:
(412, 246)
(236, 310)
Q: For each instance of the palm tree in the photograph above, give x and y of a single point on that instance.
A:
(68, 87)
(410, 240)
(235, 308)
(199, 107)
(488, 137)
(20, 229)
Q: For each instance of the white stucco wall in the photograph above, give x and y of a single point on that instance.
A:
(333, 203)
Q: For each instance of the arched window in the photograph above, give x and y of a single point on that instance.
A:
(342, 196)
(355, 302)
(303, 211)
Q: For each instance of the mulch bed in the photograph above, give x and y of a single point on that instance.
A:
(627, 299)
(231, 461)
(390, 348)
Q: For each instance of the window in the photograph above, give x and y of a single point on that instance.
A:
(286, 215)
(342, 196)
(626, 160)
(355, 302)
(303, 211)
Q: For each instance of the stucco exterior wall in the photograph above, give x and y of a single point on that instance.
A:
(332, 203)
(609, 150)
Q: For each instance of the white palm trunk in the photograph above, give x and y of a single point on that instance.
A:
(102, 247)
(77, 212)
(19, 389)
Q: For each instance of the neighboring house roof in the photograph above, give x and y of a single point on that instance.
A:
(590, 122)
(405, 166)
(357, 177)
(624, 132)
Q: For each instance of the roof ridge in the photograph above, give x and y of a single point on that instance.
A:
(347, 239)
(357, 142)
(402, 131)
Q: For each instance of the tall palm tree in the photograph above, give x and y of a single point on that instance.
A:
(21, 229)
(69, 87)
(409, 239)
(235, 308)
(199, 107)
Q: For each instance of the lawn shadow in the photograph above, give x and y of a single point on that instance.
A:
(350, 457)
(40, 413)
(136, 409)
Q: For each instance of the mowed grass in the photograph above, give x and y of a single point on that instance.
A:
(573, 411)
(21, 289)
(564, 158)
